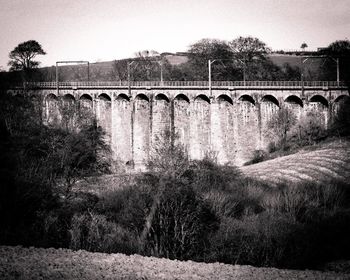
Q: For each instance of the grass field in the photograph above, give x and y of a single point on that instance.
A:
(322, 163)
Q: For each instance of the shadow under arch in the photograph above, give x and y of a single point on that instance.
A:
(293, 99)
(51, 96)
(225, 97)
(142, 96)
(86, 97)
(69, 98)
(270, 98)
(319, 99)
(202, 97)
(123, 96)
(162, 96)
(182, 96)
(342, 98)
(104, 97)
(247, 98)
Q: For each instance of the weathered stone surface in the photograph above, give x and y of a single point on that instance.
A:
(231, 123)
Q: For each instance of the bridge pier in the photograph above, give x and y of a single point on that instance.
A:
(232, 123)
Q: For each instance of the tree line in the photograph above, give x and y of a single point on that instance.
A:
(244, 58)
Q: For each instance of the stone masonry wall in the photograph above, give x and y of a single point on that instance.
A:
(230, 123)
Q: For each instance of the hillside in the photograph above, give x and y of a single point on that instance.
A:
(323, 163)
(36, 263)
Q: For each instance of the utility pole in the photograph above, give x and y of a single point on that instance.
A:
(129, 87)
(57, 89)
(67, 62)
(161, 72)
(210, 62)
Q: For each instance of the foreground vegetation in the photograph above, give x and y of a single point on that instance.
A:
(37, 263)
(180, 209)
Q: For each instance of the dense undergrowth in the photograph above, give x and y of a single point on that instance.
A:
(180, 209)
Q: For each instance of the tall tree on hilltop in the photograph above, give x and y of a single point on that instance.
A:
(213, 49)
(337, 52)
(147, 66)
(250, 55)
(303, 46)
(21, 57)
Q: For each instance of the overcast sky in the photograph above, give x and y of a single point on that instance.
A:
(111, 29)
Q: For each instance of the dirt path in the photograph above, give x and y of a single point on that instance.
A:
(36, 263)
(329, 162)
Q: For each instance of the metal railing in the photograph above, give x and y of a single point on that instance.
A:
(199, 84)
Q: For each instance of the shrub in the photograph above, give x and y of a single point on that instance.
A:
(258, 156)
(93, 232)
(181, 224)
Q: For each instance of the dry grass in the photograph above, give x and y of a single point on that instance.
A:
(328, 162)
(37, 263)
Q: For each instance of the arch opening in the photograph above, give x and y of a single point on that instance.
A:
(142, 96)
(104, 97)
(68, 97)
(123, 96)
(247, 98)
(226, 98)
(342, 98)
(319, 99)
(162, 96)
(182, 97)
(293, 99)
(86, 97)
(51, 96)
(270, 98)
(202, 97)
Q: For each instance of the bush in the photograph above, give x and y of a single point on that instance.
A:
(258, 156)
(181, 224)
(93, 232)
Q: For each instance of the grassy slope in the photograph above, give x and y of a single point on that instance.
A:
(323, 163)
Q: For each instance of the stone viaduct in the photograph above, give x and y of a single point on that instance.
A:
(229, 118)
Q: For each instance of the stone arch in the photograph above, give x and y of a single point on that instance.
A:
(226, 98)
(341, 98)
(182, 96)
(296, 105)
(52, 111)
(200, 127)
(142, 125)
(85, 97)
(247, 98)
(247, 127)
(160, 118)
(341, 106)
(294, 100)
(222, 129)
(270, 98)
(122, 129)
(104, 97)
(319, 99)
(142, 96)
(104, 114)
(85, 109)
(202, 97)
(162, 96)
(68, 97)
(51, 96)
(269, 107)
(182, 119)
(123, 96)
(317, 110)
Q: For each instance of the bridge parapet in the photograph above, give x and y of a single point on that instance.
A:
(193, 84)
